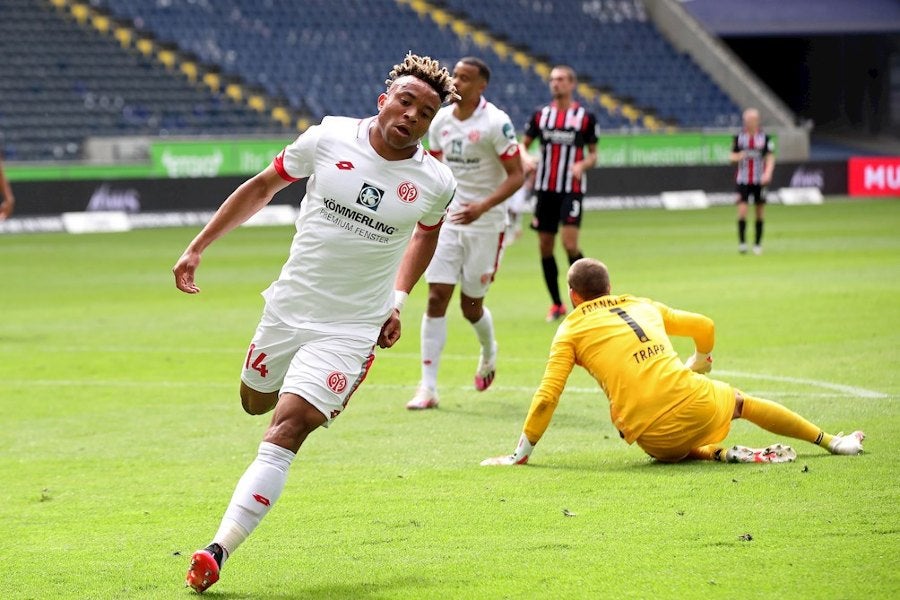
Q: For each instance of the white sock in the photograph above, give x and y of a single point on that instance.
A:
(256, 492)
(484, 329)
(434, 336)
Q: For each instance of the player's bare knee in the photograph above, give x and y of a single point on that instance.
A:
(290, 429)
(472, 308)
(438, 299)
(571, 248)
(255, 402)
(294, 419)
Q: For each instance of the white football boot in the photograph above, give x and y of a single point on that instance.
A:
(424, 399)
(847, 444)
(776, 453)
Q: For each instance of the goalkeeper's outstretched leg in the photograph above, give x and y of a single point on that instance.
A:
(778, 419)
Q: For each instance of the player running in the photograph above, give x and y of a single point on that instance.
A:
(670, 409)
(374, 204)
(477, 141)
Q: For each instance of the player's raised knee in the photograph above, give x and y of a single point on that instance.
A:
(255, 402)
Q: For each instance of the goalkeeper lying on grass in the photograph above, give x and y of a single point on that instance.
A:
(670, 409)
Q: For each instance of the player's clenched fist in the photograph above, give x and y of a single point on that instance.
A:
(390, 331)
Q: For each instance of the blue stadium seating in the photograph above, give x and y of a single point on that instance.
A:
(54, 95)
(322, 57)
(325, 56)
(612, 44)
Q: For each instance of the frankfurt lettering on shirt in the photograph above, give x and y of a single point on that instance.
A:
(558, 136)
(565, 136)
(599, 303)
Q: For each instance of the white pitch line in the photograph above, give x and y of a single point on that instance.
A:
(841, 390)
(854, 391)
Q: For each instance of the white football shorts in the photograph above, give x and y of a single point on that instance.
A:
(322, 368)
(468, 258)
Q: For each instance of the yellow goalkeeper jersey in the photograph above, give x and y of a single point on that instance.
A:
(623, 342)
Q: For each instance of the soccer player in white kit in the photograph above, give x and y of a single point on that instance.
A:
(477, 141)
(367, 229)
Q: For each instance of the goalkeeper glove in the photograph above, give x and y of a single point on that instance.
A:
(519, 457)
(700, 362)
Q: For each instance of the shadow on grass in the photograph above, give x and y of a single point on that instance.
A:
(347, 590)
(647, 464)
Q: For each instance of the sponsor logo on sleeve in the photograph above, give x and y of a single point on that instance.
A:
(508, 132)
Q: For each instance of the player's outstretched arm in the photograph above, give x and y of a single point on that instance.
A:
(543, 404)
(243, 203)
(519, 457)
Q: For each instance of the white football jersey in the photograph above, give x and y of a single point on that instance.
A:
(473, 150)
(355, 222)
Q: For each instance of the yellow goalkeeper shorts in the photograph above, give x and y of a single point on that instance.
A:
(699, 421)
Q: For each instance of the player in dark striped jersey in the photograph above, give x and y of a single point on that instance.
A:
(568, 136)
(753, 151)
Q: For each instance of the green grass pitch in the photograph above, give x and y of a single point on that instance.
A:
(122, 437)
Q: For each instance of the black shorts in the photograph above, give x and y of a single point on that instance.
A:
(556, 208)
(748, 190)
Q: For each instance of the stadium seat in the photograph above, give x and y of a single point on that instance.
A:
(316, 56)
(83, 84)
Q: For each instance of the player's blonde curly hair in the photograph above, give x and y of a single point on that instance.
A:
(428, 70)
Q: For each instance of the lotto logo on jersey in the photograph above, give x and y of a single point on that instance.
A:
(407, 192)
(370, 196)
(337, 382)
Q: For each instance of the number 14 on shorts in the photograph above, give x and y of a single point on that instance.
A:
(258, 362)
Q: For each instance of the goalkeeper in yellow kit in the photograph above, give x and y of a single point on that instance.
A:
(669, 408)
